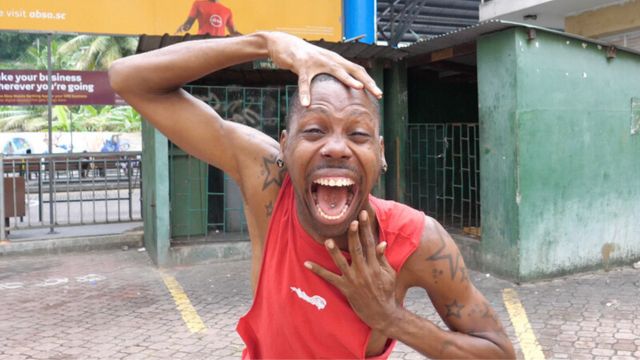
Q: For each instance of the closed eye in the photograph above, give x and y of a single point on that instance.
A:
(360, 136)
(312, 131)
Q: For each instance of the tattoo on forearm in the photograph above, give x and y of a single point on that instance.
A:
(272, 174)
(269, 208)
(455, 266)
(454, 309)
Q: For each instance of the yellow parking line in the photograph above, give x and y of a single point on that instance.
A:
(528, 343)
(183, 304)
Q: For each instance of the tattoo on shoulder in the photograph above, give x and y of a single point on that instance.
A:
(454, 309)
(272, 174)
(455, 265)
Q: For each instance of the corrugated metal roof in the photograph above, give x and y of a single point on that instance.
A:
(427, 18)
(352, 50)
(471, 33)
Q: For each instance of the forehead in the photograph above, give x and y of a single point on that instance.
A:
(330, 98)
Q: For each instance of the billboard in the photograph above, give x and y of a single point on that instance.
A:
(31, 87)
(312, 20)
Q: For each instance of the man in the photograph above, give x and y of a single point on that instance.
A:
(330, 264)
(212, 17)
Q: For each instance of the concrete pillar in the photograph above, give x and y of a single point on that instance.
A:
(155, 194)
(396, 114)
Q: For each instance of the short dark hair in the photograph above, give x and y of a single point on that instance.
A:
(294, 101)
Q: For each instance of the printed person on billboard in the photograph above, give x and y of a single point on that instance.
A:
(213, 18)
(331, 263)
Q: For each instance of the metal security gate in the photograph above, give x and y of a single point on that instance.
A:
(443, 173)
(205, 203)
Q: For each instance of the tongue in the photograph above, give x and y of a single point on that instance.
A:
(332, 199)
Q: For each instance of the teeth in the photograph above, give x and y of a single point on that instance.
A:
(334, 182)
(329, 217)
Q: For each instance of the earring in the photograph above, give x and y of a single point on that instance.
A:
(280, 163)
(384, 168)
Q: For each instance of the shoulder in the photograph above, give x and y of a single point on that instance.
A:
(397, 218)
(401, 227)
(437, 258)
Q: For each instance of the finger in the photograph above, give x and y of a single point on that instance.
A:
(366, 238)
(361, 75)
(355, 246)
(347, 79)
(304, 82)
(333, 279)
(382, 259)
(337, 257)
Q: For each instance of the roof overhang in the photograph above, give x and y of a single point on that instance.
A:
(462, 42)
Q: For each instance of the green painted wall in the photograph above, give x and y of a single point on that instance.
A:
(560, 167)
(579, 163)
(497, 105)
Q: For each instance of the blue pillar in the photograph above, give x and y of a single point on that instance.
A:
(360, 19)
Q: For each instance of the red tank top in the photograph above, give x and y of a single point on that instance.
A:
(295, 313)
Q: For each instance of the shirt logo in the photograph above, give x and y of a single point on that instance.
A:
(314, 300)
(215, 20)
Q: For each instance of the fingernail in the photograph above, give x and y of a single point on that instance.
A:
(383, 246)
(329, 244)
(307, 265)
(364, 216)
(354, 225)
(304, 100)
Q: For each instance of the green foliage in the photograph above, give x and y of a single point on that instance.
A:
(87, 52)
(66, 118)
(22, 118)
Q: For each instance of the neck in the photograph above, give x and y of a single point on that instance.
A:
(342, 240)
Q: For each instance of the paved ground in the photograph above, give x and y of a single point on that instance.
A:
(117, 305)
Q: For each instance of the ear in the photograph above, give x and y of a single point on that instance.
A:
(382, 158)
(283, 140)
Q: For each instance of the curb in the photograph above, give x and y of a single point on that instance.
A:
(71, 244)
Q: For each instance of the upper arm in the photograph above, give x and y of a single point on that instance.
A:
(438, 267)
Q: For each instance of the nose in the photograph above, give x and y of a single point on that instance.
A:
(336, 147)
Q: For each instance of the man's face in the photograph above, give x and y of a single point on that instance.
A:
(334, 154)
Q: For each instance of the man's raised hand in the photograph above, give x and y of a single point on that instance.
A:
(308, 60)
(369, 281)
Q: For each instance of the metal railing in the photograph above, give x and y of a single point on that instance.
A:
(443, 172)
(46, 190)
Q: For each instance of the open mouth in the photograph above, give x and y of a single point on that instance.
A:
(332, 197)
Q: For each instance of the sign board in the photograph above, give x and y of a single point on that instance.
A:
(312, 20)
(30, 87)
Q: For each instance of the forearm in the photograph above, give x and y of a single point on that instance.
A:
(167, 69)
(433, 342)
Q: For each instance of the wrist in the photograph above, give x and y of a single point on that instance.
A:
(389, 327)
(263, 38)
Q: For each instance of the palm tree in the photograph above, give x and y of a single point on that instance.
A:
(89, 52)
(23, 118)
